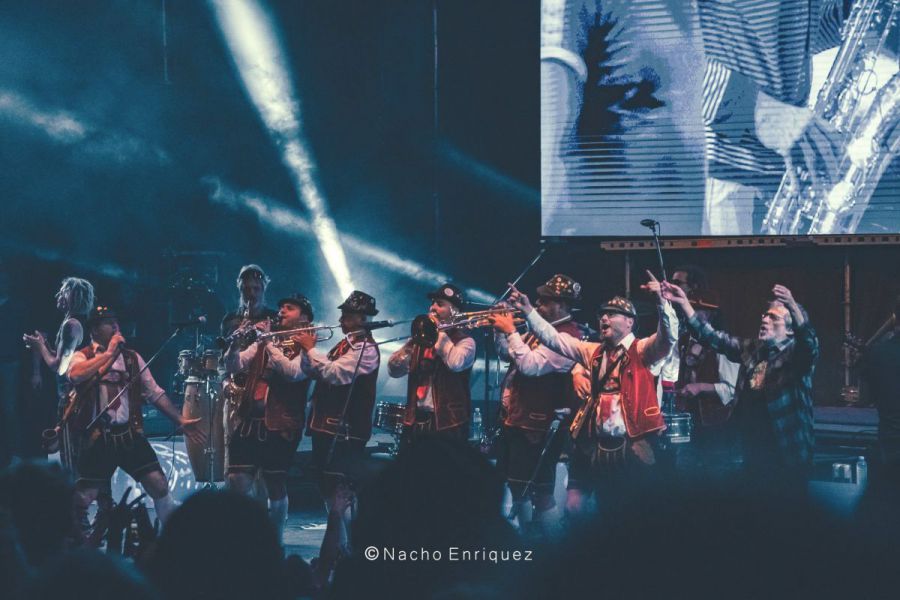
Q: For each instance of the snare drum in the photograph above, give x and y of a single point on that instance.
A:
(210, 362)
(389, 416)
(678, 427)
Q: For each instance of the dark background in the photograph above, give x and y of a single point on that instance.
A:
(125, 200)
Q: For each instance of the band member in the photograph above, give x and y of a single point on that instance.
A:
(74, 298)
(252, 282)
(100, 371)
(438, 399)
(340, 422)
(538, 383)
(705, 383)
(773, 394)
(269, 419)
(613, 432)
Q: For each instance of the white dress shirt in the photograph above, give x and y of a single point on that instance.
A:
(117, 377)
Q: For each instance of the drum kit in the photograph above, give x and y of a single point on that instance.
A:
(389, 418)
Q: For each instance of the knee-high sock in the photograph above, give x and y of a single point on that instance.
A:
(164, 507)
(278, 511)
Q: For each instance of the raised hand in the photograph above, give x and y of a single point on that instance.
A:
(654, 287)
(673, 293)
(784, 295)
(518, 300)
(34, 342)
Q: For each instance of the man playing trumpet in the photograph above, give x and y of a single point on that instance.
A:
(614, 431)
(539, 383)
(438, 399)
(270, 414)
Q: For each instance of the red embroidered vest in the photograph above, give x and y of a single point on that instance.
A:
(640, 406)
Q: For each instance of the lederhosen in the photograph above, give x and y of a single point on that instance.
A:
(528, 414)
(109, 446)
(600, 457)
(270, 419)
(450, 395)
(325, 420)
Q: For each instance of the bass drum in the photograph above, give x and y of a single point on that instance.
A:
(201, 400)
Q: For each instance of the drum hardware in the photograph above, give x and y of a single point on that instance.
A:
(389, 417)
(679, 425)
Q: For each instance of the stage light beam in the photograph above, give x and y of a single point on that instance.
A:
(263, 70)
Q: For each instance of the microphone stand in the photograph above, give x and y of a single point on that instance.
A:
(653, 226)
(489, 338)
(342, 425)
(551, 434)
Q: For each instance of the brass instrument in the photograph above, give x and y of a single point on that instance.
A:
(805, 205)
(323, 333)
(425, 328)
(245, 334)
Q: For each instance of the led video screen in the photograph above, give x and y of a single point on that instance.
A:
(719, 117)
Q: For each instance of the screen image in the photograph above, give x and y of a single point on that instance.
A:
(720, 117)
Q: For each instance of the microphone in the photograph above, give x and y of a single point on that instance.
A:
(650, 223)
(377, 324)
(201, 320)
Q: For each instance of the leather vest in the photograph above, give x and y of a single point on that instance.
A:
(328, 401)
(286, 400)
(450, 392)
(534, 400)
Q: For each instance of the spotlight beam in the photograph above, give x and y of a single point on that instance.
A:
(263, 70)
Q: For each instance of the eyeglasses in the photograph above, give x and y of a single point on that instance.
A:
(773, 316)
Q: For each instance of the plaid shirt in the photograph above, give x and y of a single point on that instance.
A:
(787, 386)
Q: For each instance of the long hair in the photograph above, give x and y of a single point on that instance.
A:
(82, 294)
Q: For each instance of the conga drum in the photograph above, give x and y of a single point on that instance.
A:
(201, 400)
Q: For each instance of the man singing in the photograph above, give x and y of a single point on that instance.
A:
(100, 372)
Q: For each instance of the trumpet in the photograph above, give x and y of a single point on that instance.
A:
(246, 334)
(322, 332)
(425, 329)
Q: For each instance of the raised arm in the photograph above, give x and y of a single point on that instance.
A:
(457, 356)
(806, 351)
(58, 361)
(531, 362)
(398, 363)
(81, 369)
(720, 341)
(656, 347)
(561, 343)
(340, 371)
(289, 368)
